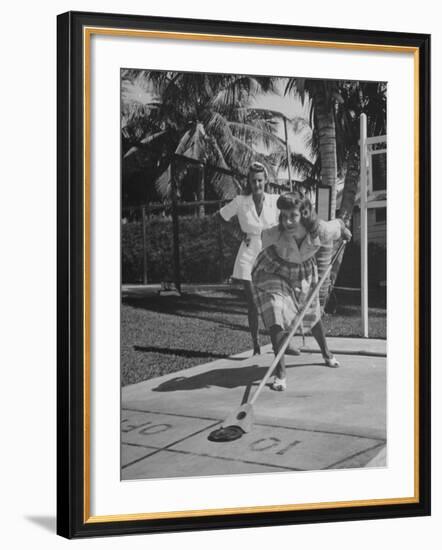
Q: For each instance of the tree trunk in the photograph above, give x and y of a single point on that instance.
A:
(327, 146)
(349, 192)
(201, 191)
(351, 185)
(329, 171)
(175, 227)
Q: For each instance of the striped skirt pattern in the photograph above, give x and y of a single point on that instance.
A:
(281, 288)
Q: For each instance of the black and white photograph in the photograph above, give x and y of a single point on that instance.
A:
(253, 327)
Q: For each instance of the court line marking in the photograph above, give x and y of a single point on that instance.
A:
(168, 448)
(358, 353)
(275, 465)
(312, 430)
(378, 445)
(139, 445)
(134, 428)
(174, 443)
(255, 463)
(168, 414)
(226, 458)
(152, 448)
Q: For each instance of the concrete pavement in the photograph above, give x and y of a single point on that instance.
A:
(327, 418)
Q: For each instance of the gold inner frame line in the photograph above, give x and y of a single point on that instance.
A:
(87, 33)
(134, 33)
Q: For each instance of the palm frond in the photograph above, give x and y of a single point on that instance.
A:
(237, 89)
(217, 157)
(302, 165)
(226, 187)
(311, 145)
(193, 144)
(297, 86)
(163, 183)
(261, 132)
(299, 124)
(145, 142)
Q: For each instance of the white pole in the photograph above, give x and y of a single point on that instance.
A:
(364, 239)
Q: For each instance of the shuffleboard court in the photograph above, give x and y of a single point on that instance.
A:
(327, 418)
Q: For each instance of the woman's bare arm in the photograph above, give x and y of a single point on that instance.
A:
(326, 231)
(233, 228)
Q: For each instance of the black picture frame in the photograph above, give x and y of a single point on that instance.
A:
(73, 519)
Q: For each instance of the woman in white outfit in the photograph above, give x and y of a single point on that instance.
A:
(256, 211)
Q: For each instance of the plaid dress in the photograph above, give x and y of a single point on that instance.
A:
(281, 287)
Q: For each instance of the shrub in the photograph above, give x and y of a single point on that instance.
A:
(203, 258)
(350, 272)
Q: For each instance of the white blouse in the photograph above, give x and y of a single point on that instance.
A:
(244, 208)
(288, 248)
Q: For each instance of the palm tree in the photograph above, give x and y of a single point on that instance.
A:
(280, 155)
(335, 107)
(323, 96)
(359, 97)
(328, 137)
(201, 118)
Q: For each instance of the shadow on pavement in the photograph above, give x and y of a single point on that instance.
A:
(223, 378)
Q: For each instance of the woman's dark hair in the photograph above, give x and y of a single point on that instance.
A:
(289, 201)
(255, 168)
(309, 218)
(295, 201)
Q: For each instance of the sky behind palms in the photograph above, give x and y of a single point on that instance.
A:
(291, 107)
(142, 92)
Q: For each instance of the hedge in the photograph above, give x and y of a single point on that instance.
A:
(201, 258)
(350, 272)
(200, 250)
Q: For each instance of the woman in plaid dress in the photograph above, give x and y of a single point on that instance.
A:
(285, 271)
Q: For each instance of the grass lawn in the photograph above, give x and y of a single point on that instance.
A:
(162, 334)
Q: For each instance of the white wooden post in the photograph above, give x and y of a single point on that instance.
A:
(364, 236)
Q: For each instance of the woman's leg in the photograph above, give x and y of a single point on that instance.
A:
(319, 335)
(252, 313)
(277, 336)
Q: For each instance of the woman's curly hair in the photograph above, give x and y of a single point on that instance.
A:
(255, 168)
(309, 218)
(290, 201)
(295, 201)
